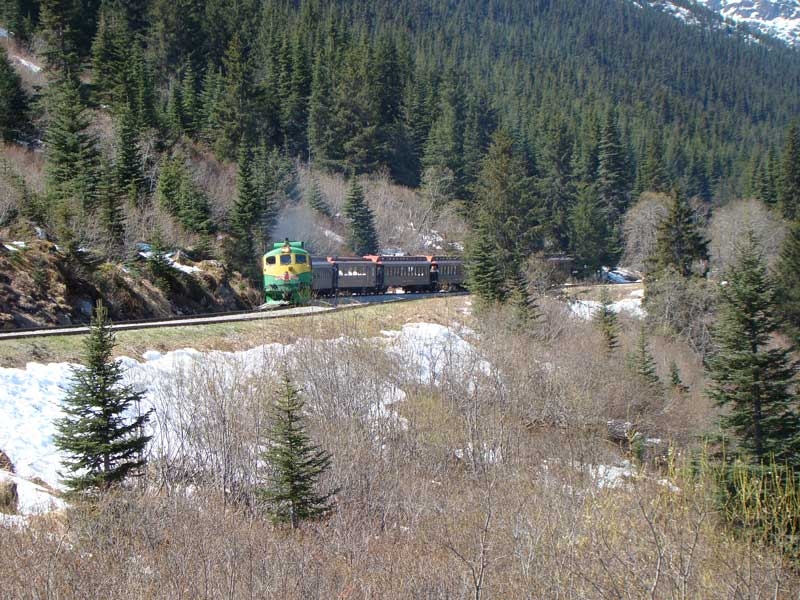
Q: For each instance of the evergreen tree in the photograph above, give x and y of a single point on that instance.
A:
(102, 443)
(595, 242)
(190, 103)
(485, 277)
(789, 198)
(557, 184)
(362, 237)
(233, 110)
(641, 362)
(679, 244)
(653, 175)
(787, 273)
(752, 377)
(13, 102)
(296, 464)
(605, 319)
(510, 216)
(112, 217)
(60, 31)
(613, 170)
(316, 200)
(444, 146)
(168, 188)
(129, 160)
(71, 163)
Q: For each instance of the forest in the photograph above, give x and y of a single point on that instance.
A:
(597, 101)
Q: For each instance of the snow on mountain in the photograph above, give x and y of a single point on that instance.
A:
(779, 19)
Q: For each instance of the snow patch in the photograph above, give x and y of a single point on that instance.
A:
(33, 499)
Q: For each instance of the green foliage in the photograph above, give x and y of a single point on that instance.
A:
(595, 242)
(129, 160)
(613, 170)
(316, 200)
(787, 274)
(752, 377)
(13, 101)
(71, 162)
(680, 244)
(102, 443)
(789, 197)
(177, 193)
(362, 237)
(605, 319)
(296, 464)
(510, 220)
(641, 363)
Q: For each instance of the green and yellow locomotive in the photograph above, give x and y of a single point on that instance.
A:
(287, 274)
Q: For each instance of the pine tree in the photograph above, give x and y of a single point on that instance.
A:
(316, 200)
(102, 444)
(653, 176)
(679, 244)
(557, 184)
(595, 242)
(71, 162)
(788, 279)
(613, 170)
(129, 160)
(752, 377)
(789, 198)
(296, 463)
(444, 146)
(605, 319)
(484, 275)
(641, 362)
(13, 101)
(362, 237)
(510, 216)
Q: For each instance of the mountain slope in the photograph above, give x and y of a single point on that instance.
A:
(779, 19)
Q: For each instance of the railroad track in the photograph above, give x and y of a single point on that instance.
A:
(316, 307)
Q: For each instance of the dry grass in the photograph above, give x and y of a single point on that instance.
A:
(423, 510)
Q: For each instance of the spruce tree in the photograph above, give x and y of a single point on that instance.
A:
(752, 376)
(605, 319)
(787, 274)
(594, 241)
(13, 102)
(510, 216)
(129, 160)
(296, 464)
(103, 444)
(613, 170)
(680, 244)
(641, 363)
(557, 184)
(362, 237)
(484, 275)
(789, 197)
(316, 200)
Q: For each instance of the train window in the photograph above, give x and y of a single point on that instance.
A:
(270, 260)
(286, 259)
(300, 259)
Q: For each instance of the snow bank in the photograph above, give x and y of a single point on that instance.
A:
(30, 397)
(33, 499)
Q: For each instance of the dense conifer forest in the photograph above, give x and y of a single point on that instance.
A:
(603, 100)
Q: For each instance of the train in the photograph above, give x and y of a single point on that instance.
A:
(293, 276)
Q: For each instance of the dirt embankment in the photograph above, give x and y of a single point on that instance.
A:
(39, 285)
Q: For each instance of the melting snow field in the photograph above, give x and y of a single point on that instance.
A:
(30, 397)
(585, 309)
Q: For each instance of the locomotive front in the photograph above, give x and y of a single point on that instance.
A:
(287, 274)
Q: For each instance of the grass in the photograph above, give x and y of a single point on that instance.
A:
(368, 322)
